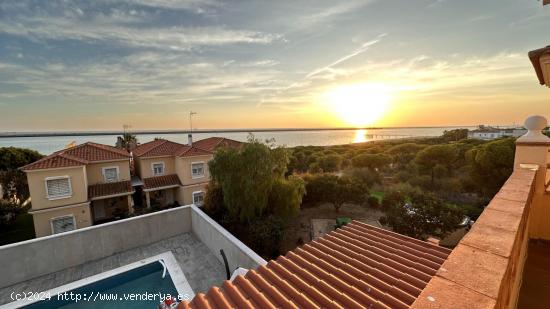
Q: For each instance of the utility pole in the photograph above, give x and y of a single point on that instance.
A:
(191, 113)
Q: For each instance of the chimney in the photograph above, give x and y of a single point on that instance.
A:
(190, 139)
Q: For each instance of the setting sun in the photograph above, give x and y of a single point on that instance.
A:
(359, 104)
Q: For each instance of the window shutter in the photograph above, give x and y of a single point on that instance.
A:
(61, 225)
(58, 187)
(111, 174)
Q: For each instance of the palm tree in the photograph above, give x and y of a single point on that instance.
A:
(127, 141)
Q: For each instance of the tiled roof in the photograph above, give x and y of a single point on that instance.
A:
(161, 181)
(212, 143)
(107, 189)
(158, 147)
(162, 147)
(357, 266)
(79, 155)
(193, 151)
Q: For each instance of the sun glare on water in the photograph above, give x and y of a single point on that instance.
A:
(359, 104)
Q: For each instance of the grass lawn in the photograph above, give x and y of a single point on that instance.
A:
(23, 229)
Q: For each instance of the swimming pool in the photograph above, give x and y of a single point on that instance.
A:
(130, 289)
(142, 284)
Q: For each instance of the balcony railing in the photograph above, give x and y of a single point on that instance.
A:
(485, 270)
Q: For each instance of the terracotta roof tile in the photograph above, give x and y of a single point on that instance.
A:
(107, 189)
(193, 151)
(212, 143)
(79, 155)
(357, 266)
(161, 181)
(161, 147)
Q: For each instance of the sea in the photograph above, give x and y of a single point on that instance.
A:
(47, 145)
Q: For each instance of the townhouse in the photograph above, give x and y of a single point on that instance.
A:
(93, 183)
(78, 187)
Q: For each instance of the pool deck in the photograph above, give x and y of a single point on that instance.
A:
(201, 268)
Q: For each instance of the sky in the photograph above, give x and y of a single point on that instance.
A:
(96, 65)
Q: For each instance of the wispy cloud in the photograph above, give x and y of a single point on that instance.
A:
(363, 48)
(174, 38)
(331, 12)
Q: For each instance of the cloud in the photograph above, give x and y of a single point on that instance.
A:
(173, 38)
(195, 5)
(364, 47)
(331, 12)
(142, 78)
(418, 78)
(124, 25)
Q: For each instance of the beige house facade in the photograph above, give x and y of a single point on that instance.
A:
(78, 187)
(93, 183)
(172, 173)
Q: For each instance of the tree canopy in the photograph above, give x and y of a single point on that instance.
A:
(440, 156)
(491, 164)
(335, 190)
(454, 135)
(371, 161)
(286, 196)
(419, 214)
(14, 181)
(404, 153)
(13, 158)
(246, 176)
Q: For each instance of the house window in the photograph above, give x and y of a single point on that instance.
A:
(63, 224)
(198, 198)
(158, 168)
(58, 187)
(110, 174)
(197, 169)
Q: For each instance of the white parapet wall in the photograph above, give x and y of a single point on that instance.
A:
(41, 256)
(215, 237)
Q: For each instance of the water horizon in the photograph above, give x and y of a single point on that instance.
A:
(287, 138)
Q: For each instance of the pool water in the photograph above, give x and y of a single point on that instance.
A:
(140, 283)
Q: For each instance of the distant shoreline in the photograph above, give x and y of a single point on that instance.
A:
(168, 132)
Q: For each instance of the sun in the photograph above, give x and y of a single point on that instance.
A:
(359, 104)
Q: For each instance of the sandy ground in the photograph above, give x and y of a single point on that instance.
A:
(299, 229)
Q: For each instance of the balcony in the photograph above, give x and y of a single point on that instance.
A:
(503, 261)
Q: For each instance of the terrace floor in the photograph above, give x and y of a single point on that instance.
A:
(200, 267)
(535, 290)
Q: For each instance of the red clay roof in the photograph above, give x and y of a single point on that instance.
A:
(212, 143)
(357, 266)
(162, 147)
(193, 151)
(79, 155)
(107, 189)
(161, 181)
